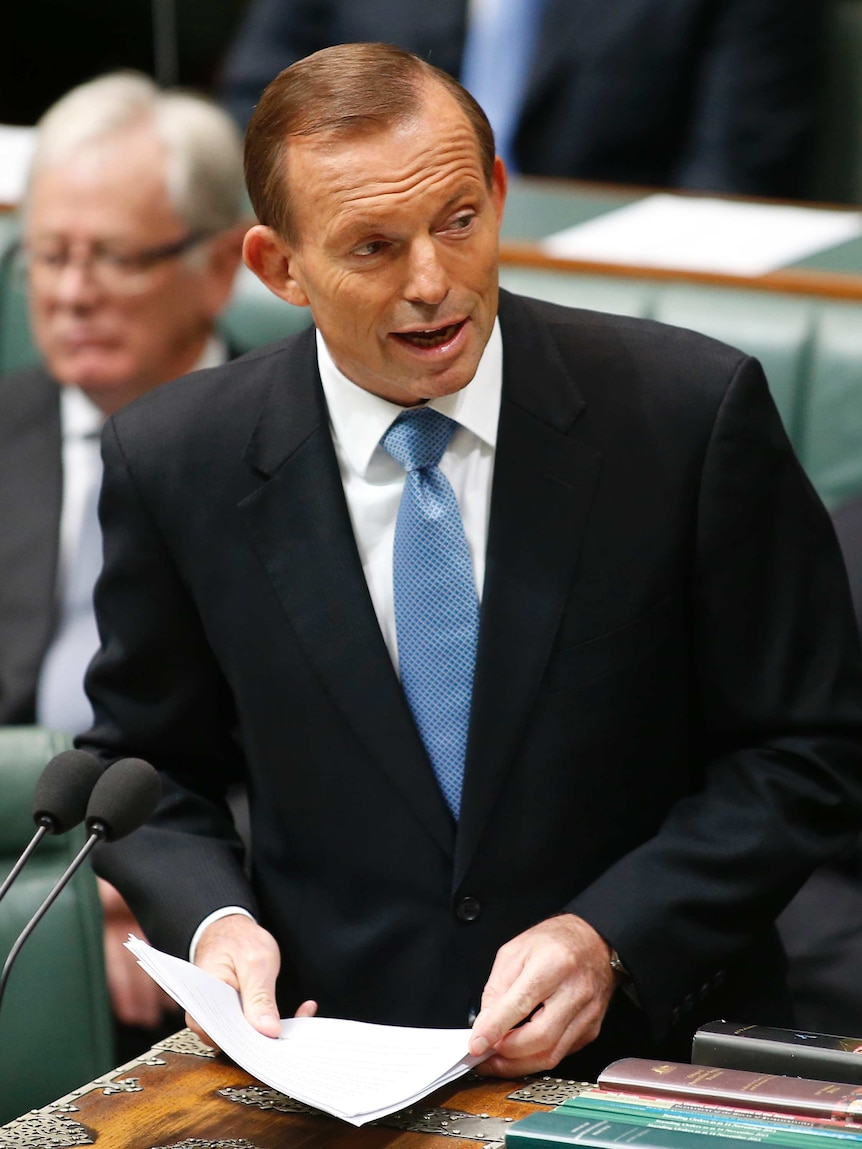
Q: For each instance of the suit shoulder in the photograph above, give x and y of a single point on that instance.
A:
(28, 398)
(214, 404)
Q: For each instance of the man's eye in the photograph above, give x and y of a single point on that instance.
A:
(119, 260)
(56, 258)
(462, 222)
(373, 247)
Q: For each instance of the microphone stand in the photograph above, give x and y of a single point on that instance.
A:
(45, 827)
(98, 833)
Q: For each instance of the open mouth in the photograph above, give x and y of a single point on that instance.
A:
(435, 337)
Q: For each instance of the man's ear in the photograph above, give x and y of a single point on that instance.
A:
(271, 258)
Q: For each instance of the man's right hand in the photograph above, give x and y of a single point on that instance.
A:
(238, 951)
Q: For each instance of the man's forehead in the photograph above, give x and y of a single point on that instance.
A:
(121, 177)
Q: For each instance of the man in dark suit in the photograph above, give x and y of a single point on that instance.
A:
(131, 243)
(708, 94)
(664, 716)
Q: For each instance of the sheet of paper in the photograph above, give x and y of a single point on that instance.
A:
(350, 1069)
(690, 233)
(16, 148)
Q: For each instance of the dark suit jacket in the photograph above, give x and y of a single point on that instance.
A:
(821, 929)
(715, 94)
(666, 721)
(31, 493)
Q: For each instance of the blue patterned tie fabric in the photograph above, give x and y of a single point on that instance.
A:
(436, 604)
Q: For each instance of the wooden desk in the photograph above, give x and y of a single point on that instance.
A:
(180, 1095)
(535, 208)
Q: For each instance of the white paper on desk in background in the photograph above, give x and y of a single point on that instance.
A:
(16, 148)
(351, 1069)
(690, 233)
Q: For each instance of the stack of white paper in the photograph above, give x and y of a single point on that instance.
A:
(352, 1069)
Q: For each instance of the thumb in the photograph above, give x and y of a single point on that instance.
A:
(261, 1011)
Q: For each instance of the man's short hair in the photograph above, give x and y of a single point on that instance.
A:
(202, 144)
(347, 90)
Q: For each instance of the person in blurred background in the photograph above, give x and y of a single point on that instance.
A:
(131, 240)
(704, 94)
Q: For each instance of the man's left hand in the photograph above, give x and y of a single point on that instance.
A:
(557, 976)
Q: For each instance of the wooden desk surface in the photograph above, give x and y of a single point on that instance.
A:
(180, 1095)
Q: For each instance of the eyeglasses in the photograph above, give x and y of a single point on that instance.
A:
(113, 268)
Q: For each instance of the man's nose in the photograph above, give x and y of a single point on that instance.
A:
(76, 284)
(428, 280)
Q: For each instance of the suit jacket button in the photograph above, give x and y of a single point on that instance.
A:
(468, 909)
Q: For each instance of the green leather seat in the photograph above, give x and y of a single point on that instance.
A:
(776, 329)
(16, 344)
(830, 446)
(55, 1019)
(255, 316)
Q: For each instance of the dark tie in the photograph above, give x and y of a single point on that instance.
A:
(436, 604)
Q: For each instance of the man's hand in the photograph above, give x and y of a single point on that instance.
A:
(135, 997)
(240, 952)
(558, 976)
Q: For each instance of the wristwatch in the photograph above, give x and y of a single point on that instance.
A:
(617, 966)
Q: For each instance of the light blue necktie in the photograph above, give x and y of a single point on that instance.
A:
(436, 604)
(498, 53)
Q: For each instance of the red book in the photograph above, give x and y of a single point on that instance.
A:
(738, 1087)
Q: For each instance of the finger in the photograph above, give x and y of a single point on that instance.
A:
(307, 1009)
(257, 989)
(515, 1006)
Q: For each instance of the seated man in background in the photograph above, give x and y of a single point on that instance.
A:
(131, 241)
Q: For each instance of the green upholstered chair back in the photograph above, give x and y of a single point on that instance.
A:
(55, 1019)
(16, 344)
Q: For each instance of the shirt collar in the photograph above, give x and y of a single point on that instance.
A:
(359, 419)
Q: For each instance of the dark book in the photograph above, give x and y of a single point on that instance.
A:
(821, 1056)
(800, 1095)
(584, 1126)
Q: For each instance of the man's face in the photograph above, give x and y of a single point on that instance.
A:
(112, 342)
(397, 250)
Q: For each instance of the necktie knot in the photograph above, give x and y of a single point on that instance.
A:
(418, 438)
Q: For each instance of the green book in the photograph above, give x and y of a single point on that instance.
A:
(629, 1108)
(603, 1129)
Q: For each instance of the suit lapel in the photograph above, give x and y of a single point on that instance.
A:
(543, 487)
(301, 528)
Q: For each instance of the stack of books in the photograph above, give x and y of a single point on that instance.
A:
(671, 1105)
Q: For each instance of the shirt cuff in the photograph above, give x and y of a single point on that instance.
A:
(226, 911)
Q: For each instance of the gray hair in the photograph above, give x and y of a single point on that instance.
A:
(203, 145)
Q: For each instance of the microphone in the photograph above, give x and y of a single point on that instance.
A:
(123, 798)
(59, 801)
